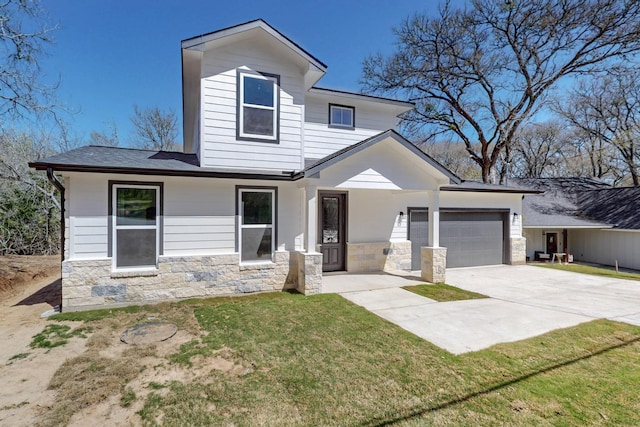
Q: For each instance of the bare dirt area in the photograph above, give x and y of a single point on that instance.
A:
(94, 378)
(29, 286)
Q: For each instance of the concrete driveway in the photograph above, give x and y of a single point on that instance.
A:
(525, 301)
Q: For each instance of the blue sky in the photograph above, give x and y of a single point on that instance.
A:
(111, 54)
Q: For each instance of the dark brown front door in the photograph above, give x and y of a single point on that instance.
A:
(332, 230)
(552, 243)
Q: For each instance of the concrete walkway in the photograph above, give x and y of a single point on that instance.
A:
(525, 301)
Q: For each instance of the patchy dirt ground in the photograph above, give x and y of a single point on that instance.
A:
(29, 286)
(56, 386)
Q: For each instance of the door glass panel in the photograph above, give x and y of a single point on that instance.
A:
(330, 221)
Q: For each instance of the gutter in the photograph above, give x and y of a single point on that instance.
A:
(52, 178)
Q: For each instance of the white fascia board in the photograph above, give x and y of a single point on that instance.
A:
(403, 106)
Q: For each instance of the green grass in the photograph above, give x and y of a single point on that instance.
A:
(56, 335)
(127, 397)
(322, 360)
(443, 293)
(589, 269)
(96, 315)
(18, 356)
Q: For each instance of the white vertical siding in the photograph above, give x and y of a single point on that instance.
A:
(218, 125)
(606, 247)
(321, 140)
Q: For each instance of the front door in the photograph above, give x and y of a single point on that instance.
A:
(332, 230)
(552, 243)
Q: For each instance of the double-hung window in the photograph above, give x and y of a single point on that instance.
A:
(342, 116)
(135, 225)
(258, 106)
(256, 223)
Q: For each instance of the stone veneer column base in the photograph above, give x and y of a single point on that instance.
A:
(518, 250)
(309, 273)
(434, 264)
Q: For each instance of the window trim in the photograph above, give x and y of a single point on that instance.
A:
(240, 135)
(274, 221)
(113, 227)
(341, 126)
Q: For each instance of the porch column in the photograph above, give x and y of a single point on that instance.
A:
(309, 261)
(434, 258)
(311, 197)
(434, 219)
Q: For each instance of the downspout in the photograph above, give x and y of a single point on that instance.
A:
(52, 178)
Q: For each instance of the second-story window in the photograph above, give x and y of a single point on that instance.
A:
(258, 106)
(342, 116)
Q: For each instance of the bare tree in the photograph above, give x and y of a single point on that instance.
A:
(479, 73)
(591, 156)
(453, 156)
(538, 150)
(29, 204)
(110, 139)
(155, 129)
(607, 111)
(24, 34)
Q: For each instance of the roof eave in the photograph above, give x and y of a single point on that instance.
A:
(490, 190)
(404, 105)
(284, 176)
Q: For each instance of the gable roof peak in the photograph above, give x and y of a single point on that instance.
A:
(201, 41)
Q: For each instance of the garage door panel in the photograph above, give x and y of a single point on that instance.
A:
(418, 234)
(472, 238)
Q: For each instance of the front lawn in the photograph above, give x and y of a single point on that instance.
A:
(590, 269)
(443, 293)
(286, 359)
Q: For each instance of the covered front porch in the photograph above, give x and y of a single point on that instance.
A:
(357, 208)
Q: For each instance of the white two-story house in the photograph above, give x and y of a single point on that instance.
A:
(279, 181)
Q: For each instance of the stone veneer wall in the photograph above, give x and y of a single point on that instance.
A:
(309, 273)
(378, 256)
(434, 264)
(90, 284)
(518, 250)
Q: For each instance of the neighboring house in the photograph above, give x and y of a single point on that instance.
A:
(279, 182)
(583, 217)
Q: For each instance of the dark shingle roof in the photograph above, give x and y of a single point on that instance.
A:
(619, 207)
(580, 202)
(133, 161)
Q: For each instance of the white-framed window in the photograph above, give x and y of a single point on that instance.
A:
(258, 106)
(256, 223)
(342, 116)
(135, 225)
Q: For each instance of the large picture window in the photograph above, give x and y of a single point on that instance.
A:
(258, 106)
(256, 229)
(135, 217)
